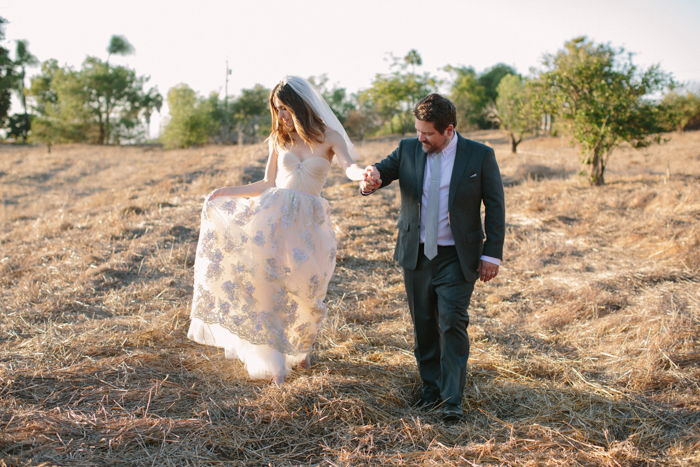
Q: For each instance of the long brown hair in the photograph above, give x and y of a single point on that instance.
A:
(309, 125)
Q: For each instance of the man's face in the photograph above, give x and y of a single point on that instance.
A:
(432, 140)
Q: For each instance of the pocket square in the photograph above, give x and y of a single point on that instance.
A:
(472, 176)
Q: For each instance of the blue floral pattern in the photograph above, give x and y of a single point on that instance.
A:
(300, 256)
(263, 265)
(259, 238)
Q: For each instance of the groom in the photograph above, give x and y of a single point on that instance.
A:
(444, 179)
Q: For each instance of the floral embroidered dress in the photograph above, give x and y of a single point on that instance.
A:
(262, 269)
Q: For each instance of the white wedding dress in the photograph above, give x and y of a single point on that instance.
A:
(262, 269)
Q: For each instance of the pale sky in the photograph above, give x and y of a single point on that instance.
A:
(189, 41)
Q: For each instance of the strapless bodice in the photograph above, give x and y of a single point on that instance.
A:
(307, 176)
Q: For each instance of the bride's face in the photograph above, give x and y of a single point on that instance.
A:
(284, 114)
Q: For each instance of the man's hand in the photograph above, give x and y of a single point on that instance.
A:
(371, 180)
(488, 270)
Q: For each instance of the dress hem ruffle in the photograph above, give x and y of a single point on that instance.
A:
(261, 361)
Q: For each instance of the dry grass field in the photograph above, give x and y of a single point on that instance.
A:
(584, 349)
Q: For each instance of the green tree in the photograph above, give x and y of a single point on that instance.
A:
(192, 119)
(113, 95)
(6, 77)
(336, 97)
(196, 120)
(59, 98)
(514, 110)
(46, 126)
(468, 95)
(251, 114)
(394, 95)
(603, 100)
(683, 110)
(40, 88)
(100, 103)
(491, 78)
(362, 119)
(475, 95)
(20, 124)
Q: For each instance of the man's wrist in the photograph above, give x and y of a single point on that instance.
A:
(490, 259)
(363, 193)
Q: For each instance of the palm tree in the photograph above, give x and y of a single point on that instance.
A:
(119, 45)
(413, 58)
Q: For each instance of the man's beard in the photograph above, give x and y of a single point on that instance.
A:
(428, 148)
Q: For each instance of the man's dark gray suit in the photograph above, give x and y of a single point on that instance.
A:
(439, 290)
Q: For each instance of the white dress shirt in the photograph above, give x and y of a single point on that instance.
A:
(447, 162)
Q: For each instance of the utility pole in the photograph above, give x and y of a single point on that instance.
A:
(226, 115)
(228, 72)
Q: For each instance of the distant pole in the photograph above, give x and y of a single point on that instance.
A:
(228, 72)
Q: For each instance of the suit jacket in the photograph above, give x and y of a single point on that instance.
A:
(475, 179)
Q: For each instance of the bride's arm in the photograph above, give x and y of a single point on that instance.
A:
(253, 189)
(340, 149)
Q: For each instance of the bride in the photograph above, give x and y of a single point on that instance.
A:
(267, 250)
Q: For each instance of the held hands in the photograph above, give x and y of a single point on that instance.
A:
(354, 172)
(371, 180)
(487, 270)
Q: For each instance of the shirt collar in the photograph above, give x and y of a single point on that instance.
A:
(451, 148)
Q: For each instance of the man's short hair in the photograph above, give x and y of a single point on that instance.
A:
(438, 110)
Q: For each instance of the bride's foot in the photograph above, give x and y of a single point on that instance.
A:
(278, 380)
(305, 364)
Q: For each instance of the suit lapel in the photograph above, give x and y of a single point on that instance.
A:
(421, 157)
(460, 165)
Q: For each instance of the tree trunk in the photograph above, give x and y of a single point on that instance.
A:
(23, 101)
(23, 98)
(105, 137)
(100, 125)
(27, 126)
(597, 169)
(514, 143)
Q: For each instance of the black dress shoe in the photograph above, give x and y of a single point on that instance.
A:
(452, 413)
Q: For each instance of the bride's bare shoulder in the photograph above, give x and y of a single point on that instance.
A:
(331, 134)
(332, 137)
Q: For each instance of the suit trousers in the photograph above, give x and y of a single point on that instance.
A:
(438, 297)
